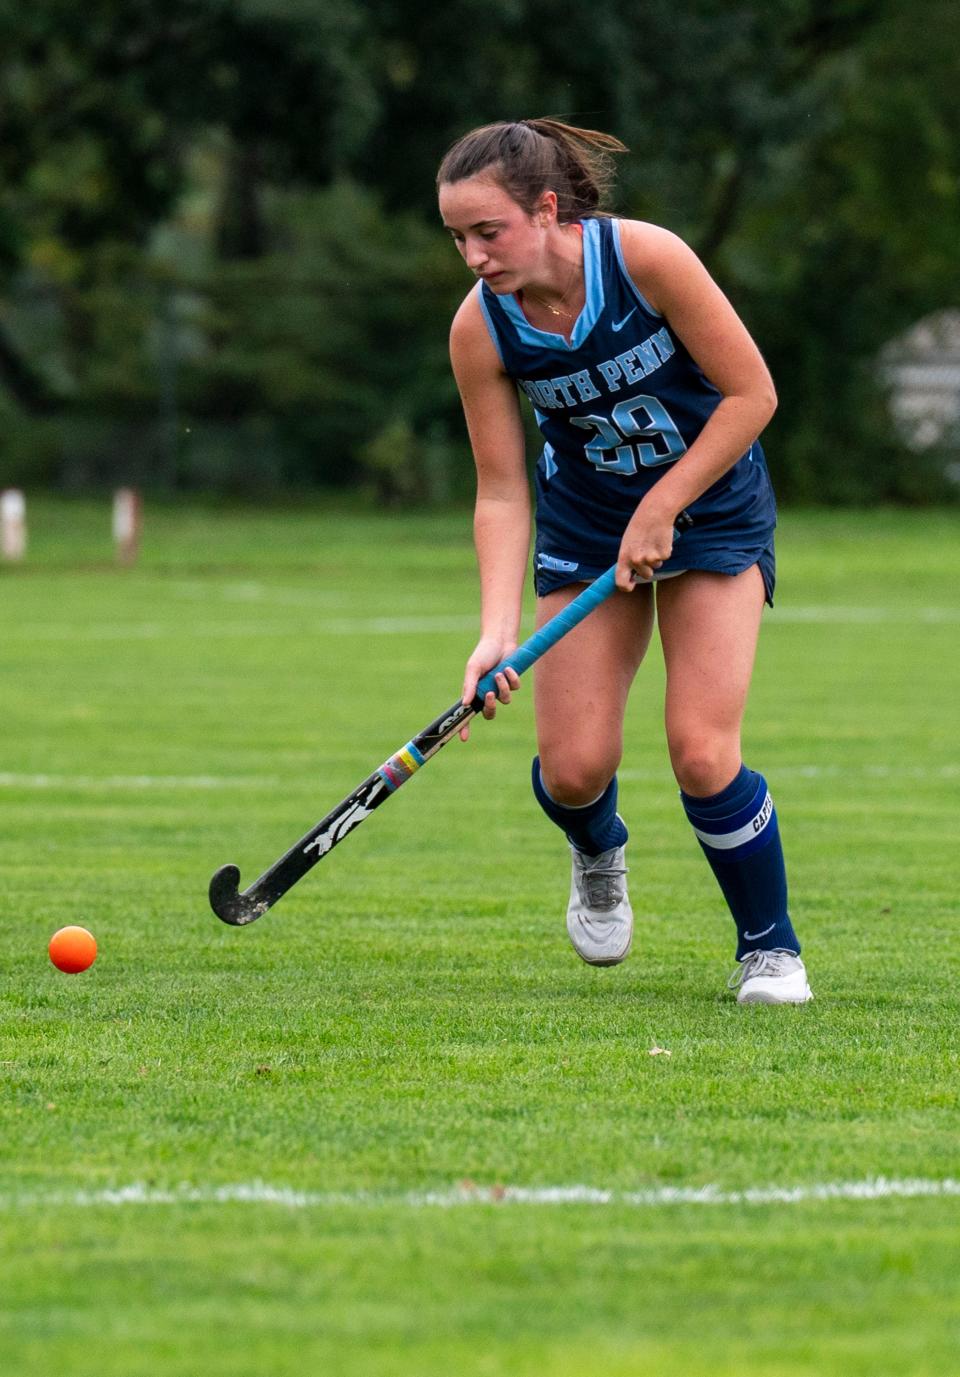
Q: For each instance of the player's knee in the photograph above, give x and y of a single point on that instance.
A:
(703, 764)
(575, 781)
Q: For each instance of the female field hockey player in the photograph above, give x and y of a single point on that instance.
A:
(650, 395)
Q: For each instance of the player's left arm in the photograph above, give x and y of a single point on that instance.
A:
(674, 281)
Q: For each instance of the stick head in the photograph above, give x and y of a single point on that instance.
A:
(228, 903)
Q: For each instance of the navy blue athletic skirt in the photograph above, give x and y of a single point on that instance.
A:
(719, 541)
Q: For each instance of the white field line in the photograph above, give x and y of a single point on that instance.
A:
(853, 616)
(396, 626)
(240, 631)
(123, 782)
(253, 593)
(267, 595)
(898, 772)
(413, 625)
(469, 1193)
(199, 783)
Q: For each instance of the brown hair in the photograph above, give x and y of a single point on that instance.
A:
(530, 157)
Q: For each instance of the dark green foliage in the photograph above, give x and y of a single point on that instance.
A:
(219, 261)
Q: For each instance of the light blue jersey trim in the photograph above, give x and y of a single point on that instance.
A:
(490, 327)
(548, 461)
(547, 453)
(557, 566)
(615, 225)
(588, 317)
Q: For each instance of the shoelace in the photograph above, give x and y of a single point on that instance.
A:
(758, 963)
(602, 886)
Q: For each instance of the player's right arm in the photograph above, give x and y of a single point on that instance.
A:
(502, 514)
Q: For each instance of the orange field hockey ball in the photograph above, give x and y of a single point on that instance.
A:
(73, 949)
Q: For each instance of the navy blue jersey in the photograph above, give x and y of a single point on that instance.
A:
(616, 406)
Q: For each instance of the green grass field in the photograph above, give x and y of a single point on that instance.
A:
(241, 1152)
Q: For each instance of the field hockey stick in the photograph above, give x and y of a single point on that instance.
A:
(238, 909)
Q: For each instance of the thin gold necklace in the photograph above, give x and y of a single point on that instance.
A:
(555, 310)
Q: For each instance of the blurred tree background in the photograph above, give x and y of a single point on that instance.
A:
(221, 266)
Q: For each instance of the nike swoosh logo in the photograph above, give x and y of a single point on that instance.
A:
(752, 936)
(617, 325)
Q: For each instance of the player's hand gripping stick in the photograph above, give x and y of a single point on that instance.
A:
(239, 909)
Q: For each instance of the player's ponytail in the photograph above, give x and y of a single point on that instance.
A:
(530, 157)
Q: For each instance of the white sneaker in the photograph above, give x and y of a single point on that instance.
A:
(771, 977)
(599, 916)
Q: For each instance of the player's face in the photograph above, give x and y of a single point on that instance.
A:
(496, 238)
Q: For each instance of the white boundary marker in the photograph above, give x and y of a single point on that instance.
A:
(127, 523)
(469, 1193)
(13, 524)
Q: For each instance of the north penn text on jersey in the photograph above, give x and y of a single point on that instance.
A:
(552, 394)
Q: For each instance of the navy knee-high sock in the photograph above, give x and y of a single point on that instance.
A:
(740, 836)
(595, 827)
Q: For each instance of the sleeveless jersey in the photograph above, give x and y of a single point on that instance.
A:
(616, 406)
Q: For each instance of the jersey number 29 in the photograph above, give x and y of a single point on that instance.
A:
(662, 442)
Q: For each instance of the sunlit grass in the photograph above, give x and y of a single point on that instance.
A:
(411, 1016)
